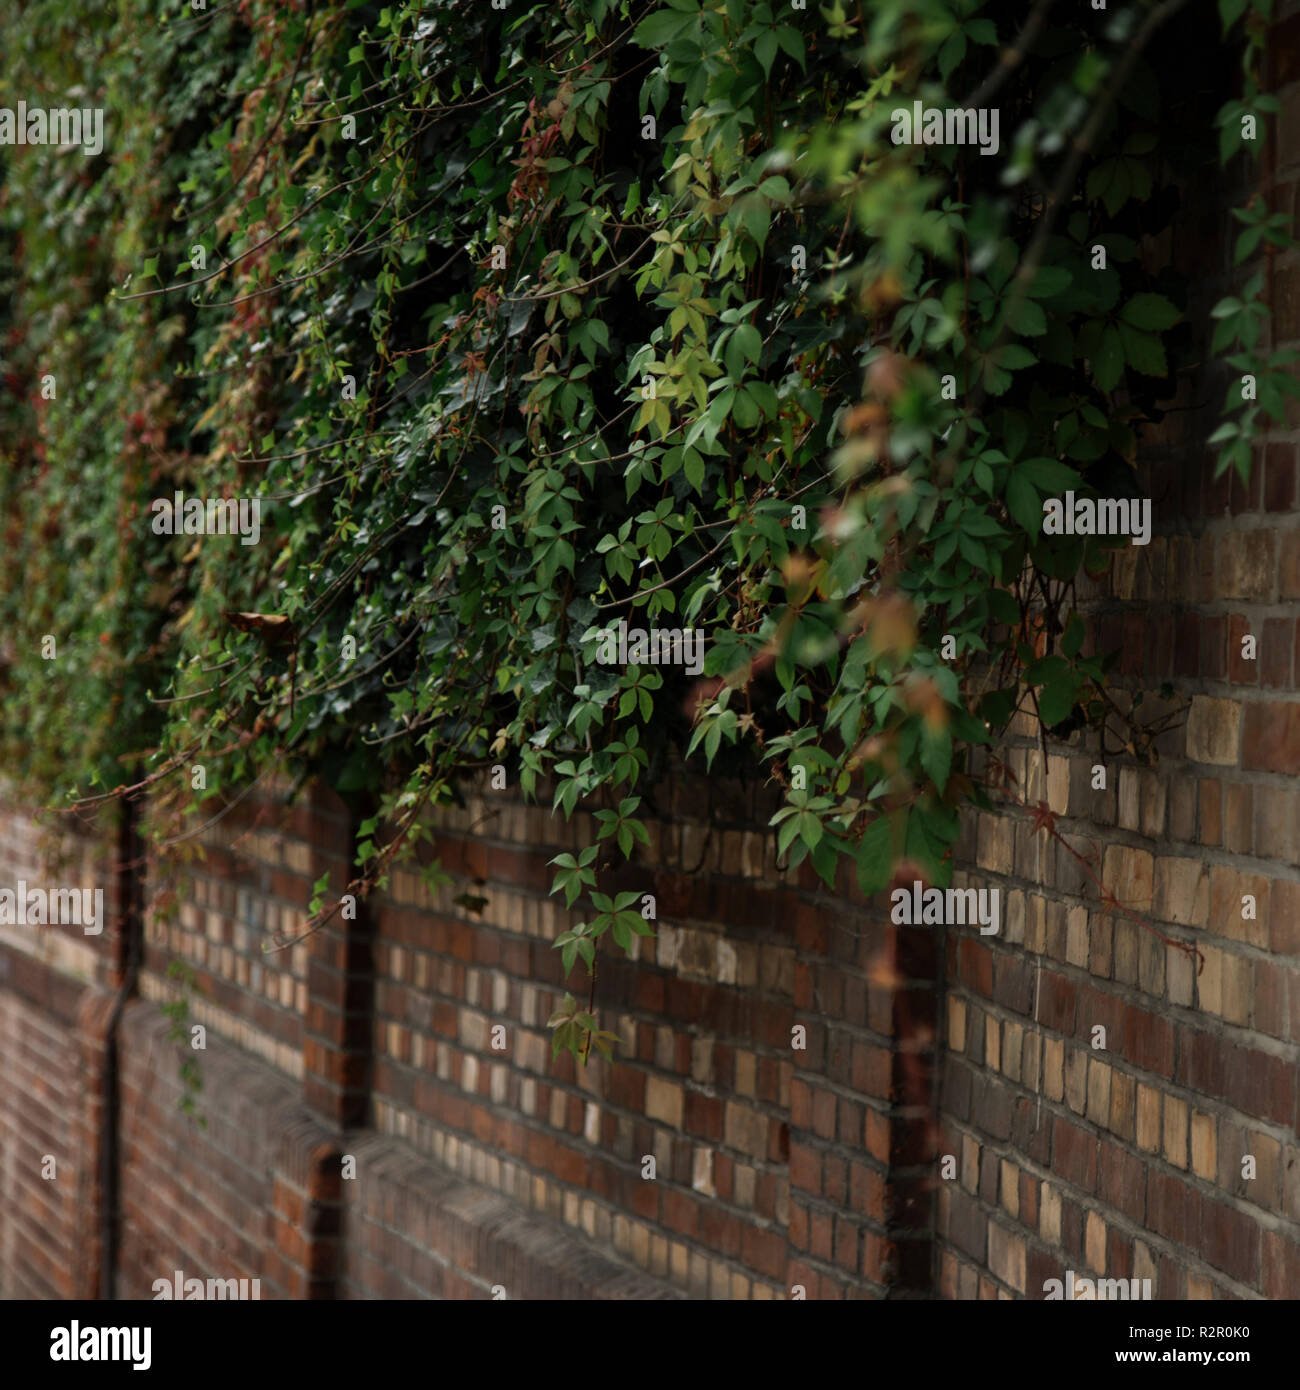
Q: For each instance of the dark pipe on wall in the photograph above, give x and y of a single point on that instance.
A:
(130, 868)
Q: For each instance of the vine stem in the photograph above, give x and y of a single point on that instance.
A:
(1045, 819)
(591, 1003)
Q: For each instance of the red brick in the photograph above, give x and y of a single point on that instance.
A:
(1122, 1182)
(823, 1114)
(680, 1212)
(1279, 478)
(1275, 653)
(1271, 737)
(867, 1191)
(1211, 811)
(1261, 1084)
(1056, 1002)
(1281, 1266)
(1149, 1041)
(976, 967)
(1173, 1208)
(1230, 1242)
(805, 1168)
(1074, 1154)
(835, 1185)
(821, 1235)
(764, 1251)
(799, 1227)
(846, 1244)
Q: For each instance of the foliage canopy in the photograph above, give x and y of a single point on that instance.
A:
(508, 361)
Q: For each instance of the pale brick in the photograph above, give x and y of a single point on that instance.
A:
(1204, 1153)
(1123, 1095)
(1233, 922)
(745, 1129)
(1007, 1256)
(1214, 731)
(1246, 564)
(1148, 1118)
(624, 1237)
(1076, 1079)
(1099, 1074)
(1130, 875)
(1236, 989)
(1175, 1131)
(996, 843)
(1076, 936)
(1128, 807)
(663, 1102)
(1180, 971)
(992, 1044)
(1009, 1185)
(1210, 981)
(702, 1172)
(1268, 1158)
(702, 1060)
(1049, 1214)
(1036, 925)
(1013, 918)
(1012, 1043)
(1058, 784)
(1053, 1068)
(1155, 794)
(956, 1024)
(1095, 1242)
(1182, 891)
(1123, 573)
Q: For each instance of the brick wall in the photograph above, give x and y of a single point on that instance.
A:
(1127, 1160)
(476, 1164)
(365, 1137)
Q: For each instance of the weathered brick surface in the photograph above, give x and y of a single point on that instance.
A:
(1138, 1138)
(761, 1071)
(828, 1101)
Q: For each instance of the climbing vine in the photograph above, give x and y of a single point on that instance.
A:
(530, 324)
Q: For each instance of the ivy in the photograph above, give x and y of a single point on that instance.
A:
(527, 322)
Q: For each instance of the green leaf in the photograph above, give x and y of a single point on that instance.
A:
(1049, 475)
(1072, 638)
(936, 755)
(1024, 503)
(1050, 280)
(1152, 312)
(660, 29)
(874, 856)
(1108, 363)
(765, 51)
(1055, 702)
(1230, 11)
(747, 338)
(1144, 351)
(756, 218)
(1027, 317)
